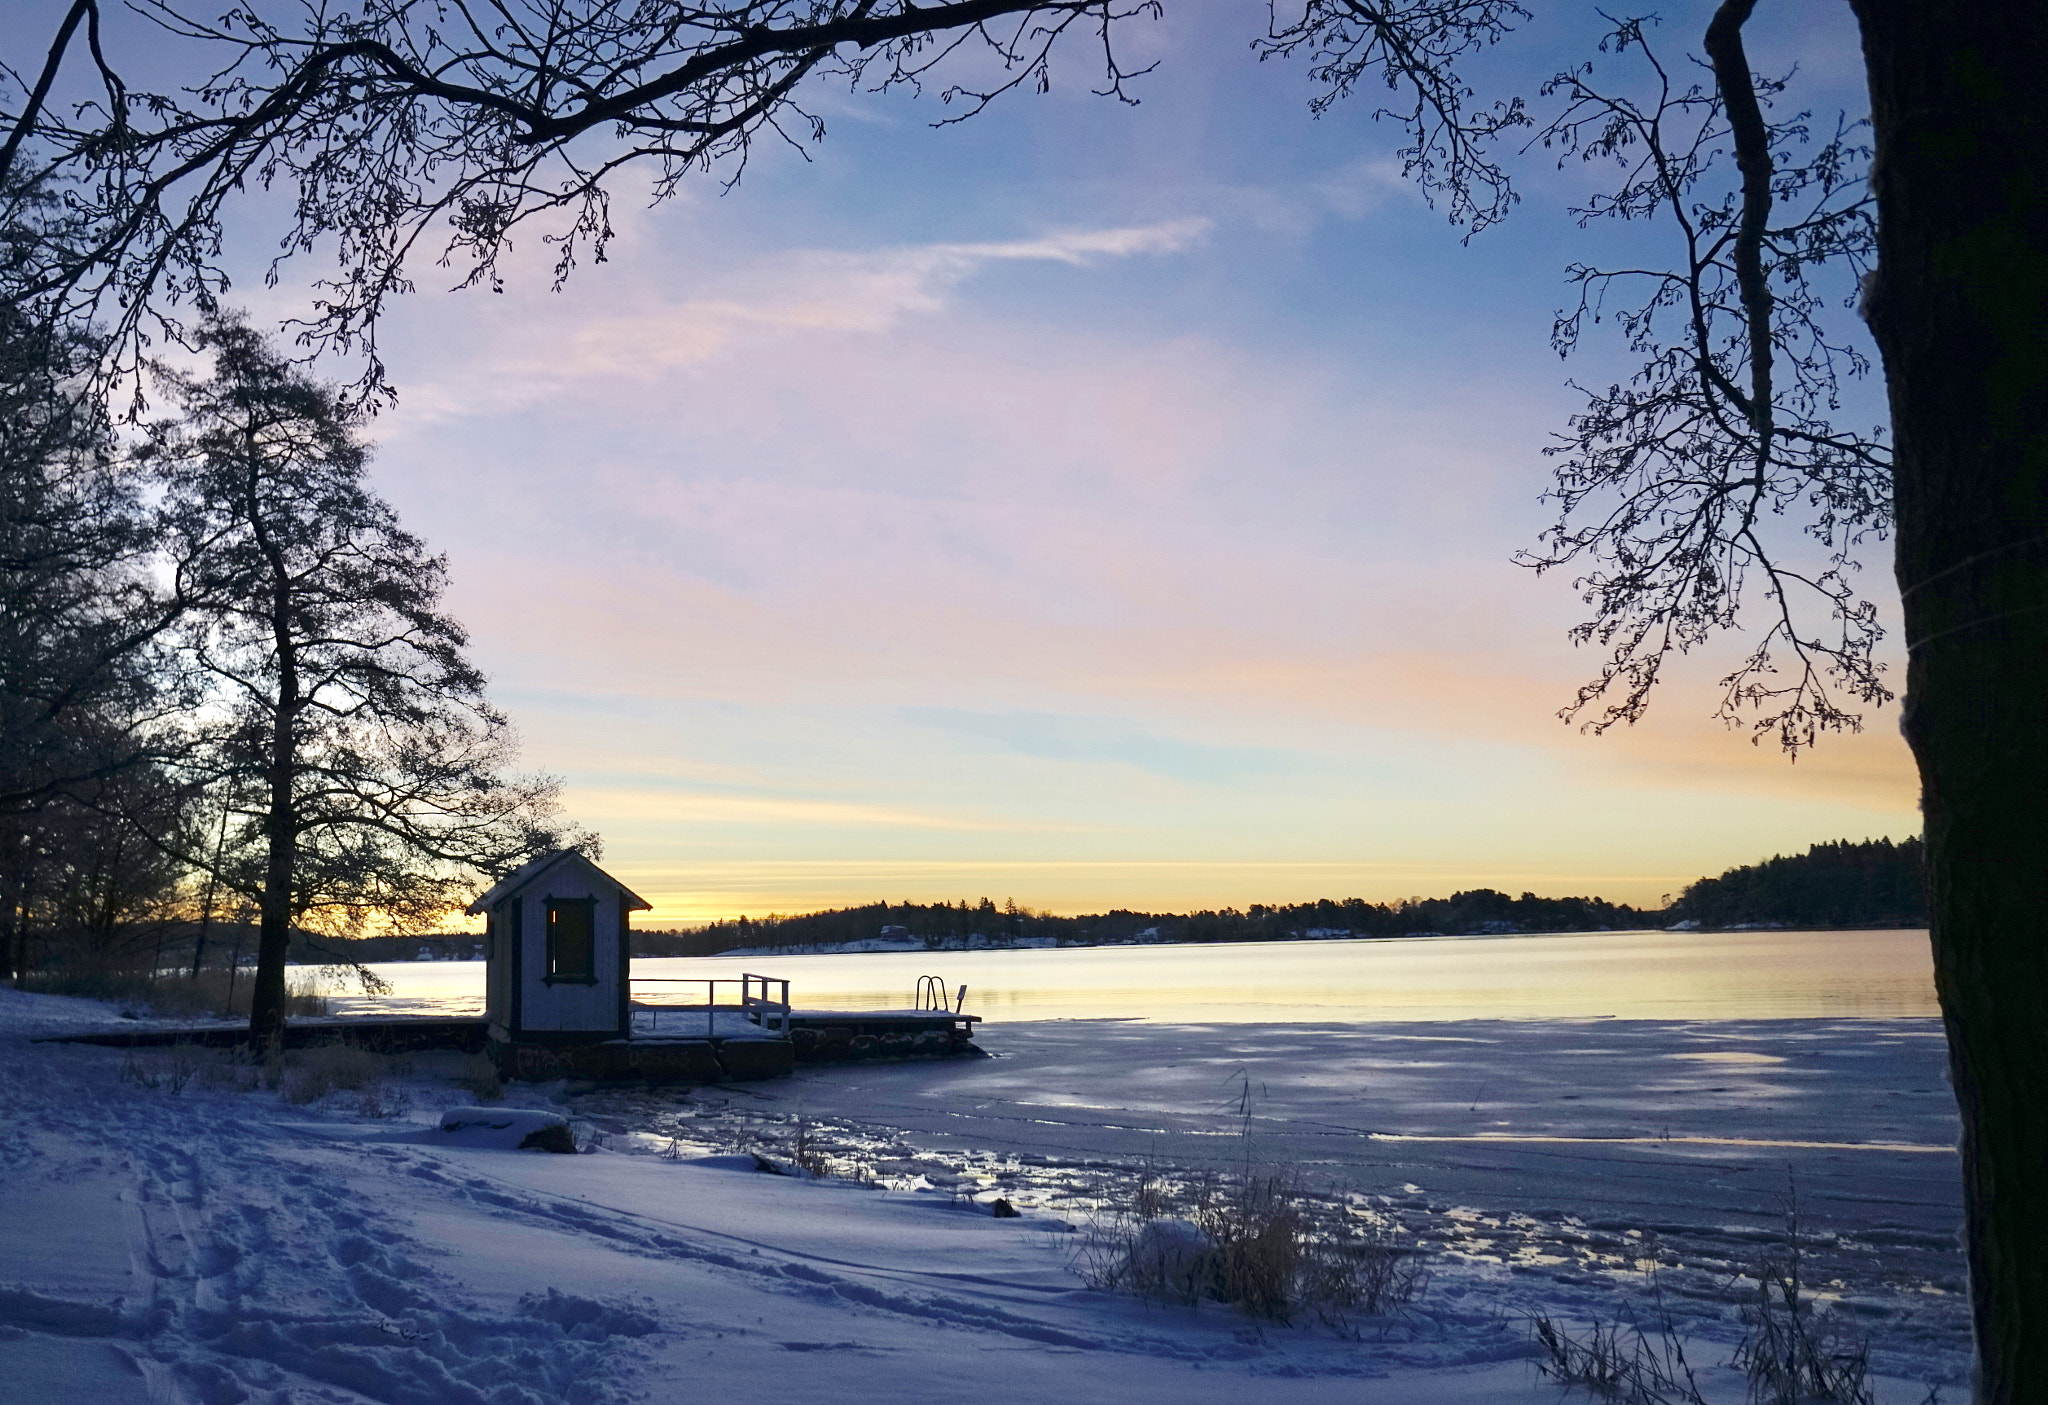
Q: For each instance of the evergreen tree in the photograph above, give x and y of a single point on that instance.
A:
(1841, 884)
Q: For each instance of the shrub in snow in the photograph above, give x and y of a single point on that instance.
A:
(805, 1152)
(1156, 1258)
(508, 1128)
(380, 1099)
(233, 1070)
(328, 1069)
(1794, 1350)
(1170, 1258)
(169, 1069)
(1372, 1275)
(1252, 1243)
(1243, 1244)
(478, 1077)
(1621, 1361)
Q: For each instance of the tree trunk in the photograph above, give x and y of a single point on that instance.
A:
(13, 956)
(281, 825)
(266, 994)
(1959, 102)
(274, 935)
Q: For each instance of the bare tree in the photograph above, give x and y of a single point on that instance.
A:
(393, 126)
(334, 703)
(1675, 487)
(1677, 484)
(400, 121)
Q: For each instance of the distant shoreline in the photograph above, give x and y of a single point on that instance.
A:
(470, 946)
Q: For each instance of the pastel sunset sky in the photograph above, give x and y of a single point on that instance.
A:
(1091, 505)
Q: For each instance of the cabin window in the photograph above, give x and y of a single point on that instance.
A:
(572, 952)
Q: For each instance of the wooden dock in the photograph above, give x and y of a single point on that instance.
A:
(815, 1036)
(760, 1037)
(933, 1027)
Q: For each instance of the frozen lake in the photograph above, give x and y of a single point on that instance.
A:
(1579, 1126)
(1622, 975)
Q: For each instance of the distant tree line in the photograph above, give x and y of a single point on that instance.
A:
(1843, 884)
(1877, 883)
(1479, 911)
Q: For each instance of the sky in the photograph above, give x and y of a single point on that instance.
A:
(1089, 505)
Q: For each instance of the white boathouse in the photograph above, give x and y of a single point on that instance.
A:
(558, 953)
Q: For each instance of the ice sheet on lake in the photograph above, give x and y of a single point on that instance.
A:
(209, 1244)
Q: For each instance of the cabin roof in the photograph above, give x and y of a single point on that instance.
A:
(533, 869)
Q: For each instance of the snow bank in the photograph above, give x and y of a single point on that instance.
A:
(40, 1016)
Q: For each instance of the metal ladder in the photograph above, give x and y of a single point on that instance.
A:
(931, 995)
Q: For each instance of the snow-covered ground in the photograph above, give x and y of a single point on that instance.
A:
(214, 1244)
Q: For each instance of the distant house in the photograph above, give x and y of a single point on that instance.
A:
(557, 953)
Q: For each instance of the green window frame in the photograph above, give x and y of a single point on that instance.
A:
(572, 940)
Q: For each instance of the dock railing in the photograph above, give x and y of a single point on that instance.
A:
(761, 1007)
(764, 1001)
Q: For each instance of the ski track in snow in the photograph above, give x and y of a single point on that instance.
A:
(256, 1264)
(215, 1247)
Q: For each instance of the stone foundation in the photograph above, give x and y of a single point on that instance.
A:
(850, 1043)
(646, 1060)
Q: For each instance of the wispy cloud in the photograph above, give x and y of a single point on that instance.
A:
(797, 558)
(702, 807)
(543, 346)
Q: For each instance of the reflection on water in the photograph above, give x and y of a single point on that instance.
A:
(1626, 975)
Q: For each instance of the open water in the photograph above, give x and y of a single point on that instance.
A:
(1621, 975)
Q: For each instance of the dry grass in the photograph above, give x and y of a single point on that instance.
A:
(312, 1075)
(479, 1077)
(1371, 1274)
(1620, 1361)
(168, 1070)
(214, 994)
(784, 1146)
(804, 1152)
(234, 1070)
(1255, 1242)
(90, 984)
(1795, 1352)
(380, 1099)
(341, 1068)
